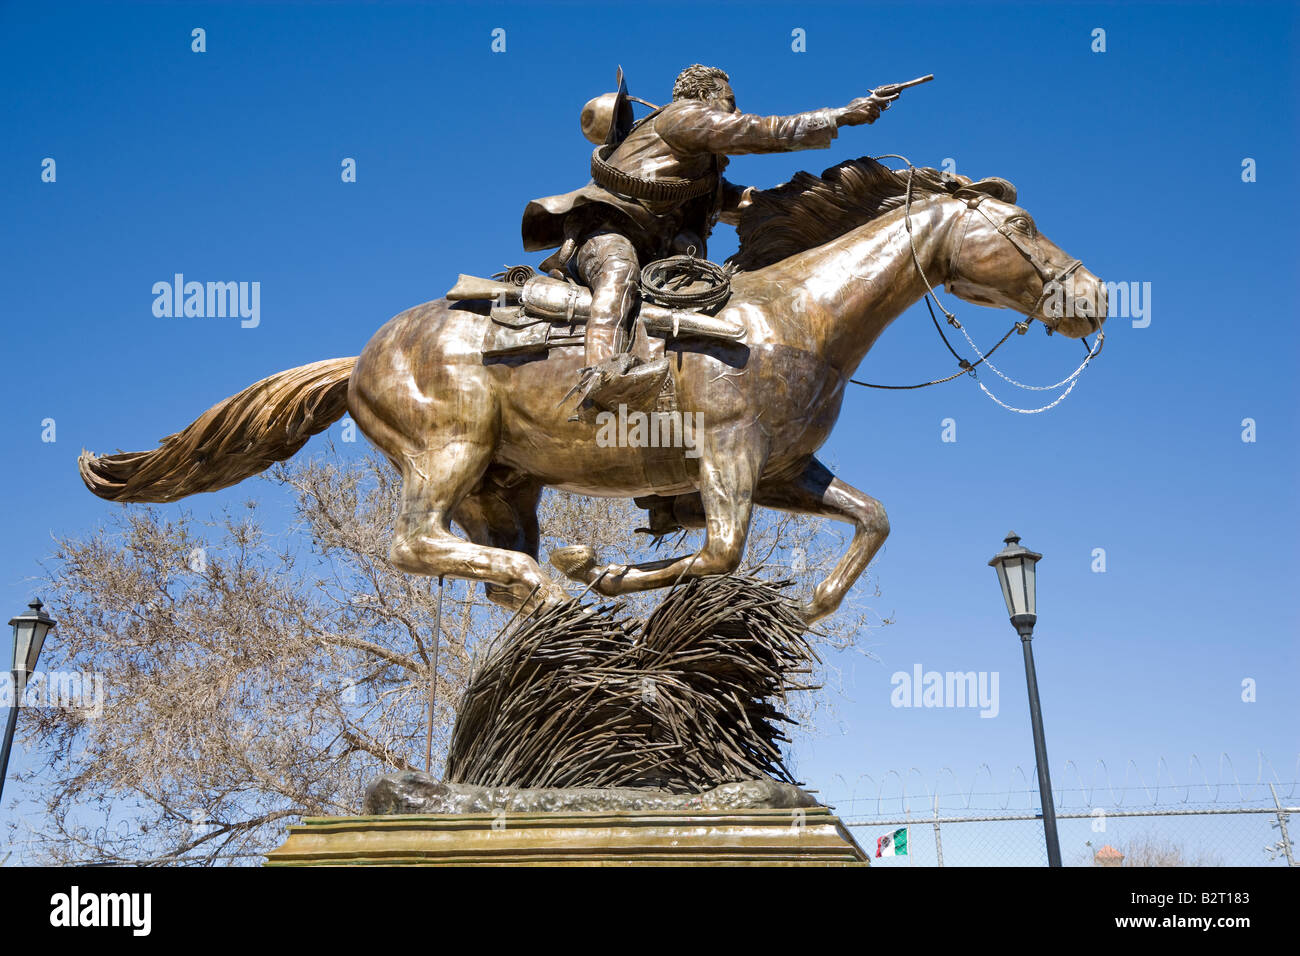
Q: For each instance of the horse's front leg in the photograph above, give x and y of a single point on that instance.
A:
(729, 470)
(817, 492)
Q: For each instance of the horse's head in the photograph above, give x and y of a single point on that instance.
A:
(1000, 259)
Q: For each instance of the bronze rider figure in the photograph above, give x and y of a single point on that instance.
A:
(657, 190)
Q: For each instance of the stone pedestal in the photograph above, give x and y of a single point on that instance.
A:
(811, 836)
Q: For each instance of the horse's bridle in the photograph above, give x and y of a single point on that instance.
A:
(1050, 279)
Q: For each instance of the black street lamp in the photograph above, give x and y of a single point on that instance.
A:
(29, 637)
(1017, 572)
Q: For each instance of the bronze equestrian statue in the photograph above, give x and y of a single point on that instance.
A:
(825, 264)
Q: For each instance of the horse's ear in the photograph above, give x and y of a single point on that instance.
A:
(999, 189)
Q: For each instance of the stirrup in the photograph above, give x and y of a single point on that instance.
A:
(637, 388)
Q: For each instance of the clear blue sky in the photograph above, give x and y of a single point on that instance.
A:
(225, 166)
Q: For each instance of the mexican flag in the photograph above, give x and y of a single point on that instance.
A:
(892, 844)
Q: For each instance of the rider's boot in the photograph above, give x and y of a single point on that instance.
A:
(607, 261)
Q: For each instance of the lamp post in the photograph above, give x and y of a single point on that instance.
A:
(29, 637)
(1017, 573)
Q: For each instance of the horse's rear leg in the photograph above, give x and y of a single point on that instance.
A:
(502, 514)
(434, 484)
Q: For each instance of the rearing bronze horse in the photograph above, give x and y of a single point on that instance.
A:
(827, 263)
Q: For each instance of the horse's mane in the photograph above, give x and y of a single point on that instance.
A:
(811, 210)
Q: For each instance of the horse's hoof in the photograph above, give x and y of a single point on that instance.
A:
(809, 613)
(576, 562)
(546, 598)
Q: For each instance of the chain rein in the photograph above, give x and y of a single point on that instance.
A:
(966, 366)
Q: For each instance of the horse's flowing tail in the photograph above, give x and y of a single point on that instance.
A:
(233, 440)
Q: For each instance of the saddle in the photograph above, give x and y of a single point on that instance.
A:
(534, 313)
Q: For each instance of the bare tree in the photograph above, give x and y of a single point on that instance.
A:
(1149, 849)
(1146, 849)
(253, 676)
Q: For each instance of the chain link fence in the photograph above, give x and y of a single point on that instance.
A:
(1210, 825)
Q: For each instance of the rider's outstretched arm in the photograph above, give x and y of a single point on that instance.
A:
(701, 126)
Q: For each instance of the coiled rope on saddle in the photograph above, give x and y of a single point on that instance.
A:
(686, 282)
